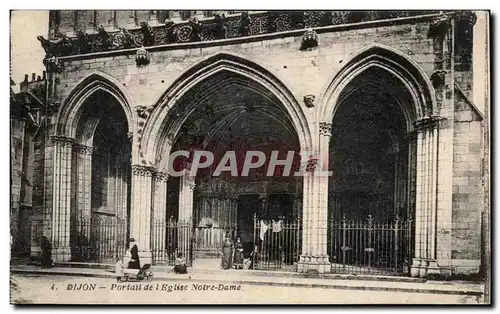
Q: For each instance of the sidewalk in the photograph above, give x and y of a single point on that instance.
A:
(278, 279)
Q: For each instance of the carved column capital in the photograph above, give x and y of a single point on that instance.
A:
(58, 139)
(325, 128)
(427, 122)
(143, 171)
(161, 176)
(84, 149)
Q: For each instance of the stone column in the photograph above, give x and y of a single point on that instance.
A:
(62, 199)
(424, 262)
(315, 211)
(159, 211)
(140, 220)
(83, 185)
(186, 201)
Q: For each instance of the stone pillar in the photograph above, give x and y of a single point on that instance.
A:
(315, 211)
(84, 180)
(424, 262)
(186, 201)
(140, 220)
(62, 199)
(159, 211)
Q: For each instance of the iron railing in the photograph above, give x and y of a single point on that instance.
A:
(208, 241)
(169, 239)
(98, 239)
(370, 246)
(277, 244)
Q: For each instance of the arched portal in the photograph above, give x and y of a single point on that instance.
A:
(382, 109)
(235, 107)
(92, 173)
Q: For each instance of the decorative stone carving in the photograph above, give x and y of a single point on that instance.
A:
(59, 46)
(104, 39)
(161, 176)
(54, 105)
(53, 65)
(220, 26)
(148, 35)
(309, 100)
(310, 40)
(312, 163)
(427, 122)
(84, 149)
(63, 140)
(438, 79)
(325, 128)
(142, 171)
(439, 26)
(142, 57)
(189, 32)
(82, 42)
(123, 39)
(245, 22)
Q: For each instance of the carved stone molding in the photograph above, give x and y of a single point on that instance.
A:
(427, 122)
(63, 140)
(325, 128)
(84, 149)
(53, 65)
(309, 100)
(142, 171)
(310, 40)
(161, 176)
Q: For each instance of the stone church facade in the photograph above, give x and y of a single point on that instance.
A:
(388, 99)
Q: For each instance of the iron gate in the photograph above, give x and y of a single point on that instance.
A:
(170, 240)
(277, 244)
(370, 246)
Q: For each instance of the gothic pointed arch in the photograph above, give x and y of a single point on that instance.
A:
(394, 63)
(243, 71)
(94, 83)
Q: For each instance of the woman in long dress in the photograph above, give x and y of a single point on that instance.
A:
(238, 254)
(227, 253)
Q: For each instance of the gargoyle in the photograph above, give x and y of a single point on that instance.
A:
(220, 26)
(245, 24)
(82, 42)
(104, 38)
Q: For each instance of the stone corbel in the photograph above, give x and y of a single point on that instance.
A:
(427, 122)
(310, 40)
(53, 65)
(142, 57)
(309, 100)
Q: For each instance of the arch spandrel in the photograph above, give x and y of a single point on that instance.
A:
(407, 71)
(204, 69)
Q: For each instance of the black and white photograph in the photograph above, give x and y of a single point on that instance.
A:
(180, 157)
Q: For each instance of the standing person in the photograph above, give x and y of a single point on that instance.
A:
(227, 253)
(180, 264)
(238, 254)
(46, 247)
(134, 252)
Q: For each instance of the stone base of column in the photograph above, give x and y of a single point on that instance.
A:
(314, 264)
(61, 254)
(424, 268)
(145, 257)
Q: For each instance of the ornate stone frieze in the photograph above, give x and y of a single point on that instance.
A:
(161, 176)
(325, 128)
(142, 171)
(309, 100)
(219, 27)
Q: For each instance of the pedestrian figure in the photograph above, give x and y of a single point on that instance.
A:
(46, 247)
(180, 264)
(238, 254)
(134, 262)
(227, 253)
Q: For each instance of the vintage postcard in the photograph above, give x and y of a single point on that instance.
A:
(250, 157)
